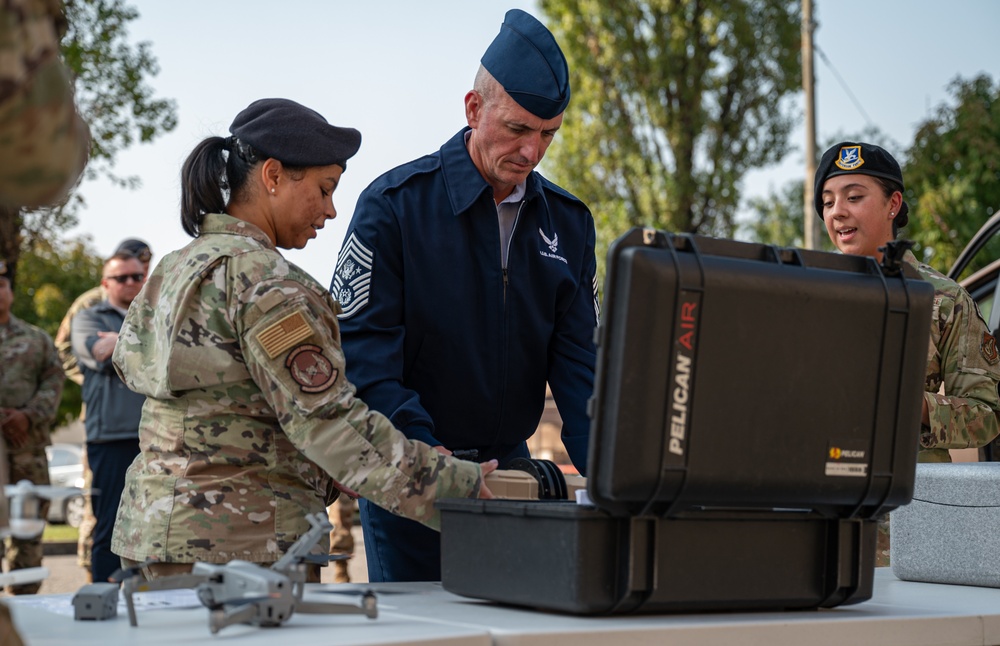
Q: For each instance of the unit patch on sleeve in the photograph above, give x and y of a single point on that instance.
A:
(989, 349)
(308, 367)
(282, 335)
(353, 277)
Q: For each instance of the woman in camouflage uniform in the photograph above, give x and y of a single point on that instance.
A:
(249, 422)
(859, 196)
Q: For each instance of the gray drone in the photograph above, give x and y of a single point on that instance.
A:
(242, 592)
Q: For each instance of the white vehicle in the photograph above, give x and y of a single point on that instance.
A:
(66, 470)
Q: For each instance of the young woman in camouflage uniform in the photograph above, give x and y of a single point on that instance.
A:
(249, 422)
(859, 196)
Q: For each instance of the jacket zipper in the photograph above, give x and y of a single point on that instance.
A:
(506, 278)
(506, 331)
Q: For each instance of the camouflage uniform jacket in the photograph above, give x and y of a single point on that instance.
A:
(31, 380)
(248, 410)
(64, 344)
(963, 370)
(44, 141)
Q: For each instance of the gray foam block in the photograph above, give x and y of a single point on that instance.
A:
(950, 532)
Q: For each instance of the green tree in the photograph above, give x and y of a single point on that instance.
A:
(59, 271)
(114, 97)
(112, 92)
(777, 218)
(673, 101)
(952, 172)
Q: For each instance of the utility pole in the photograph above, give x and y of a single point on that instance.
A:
(811, 224)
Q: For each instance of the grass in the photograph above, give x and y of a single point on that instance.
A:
(59, 533)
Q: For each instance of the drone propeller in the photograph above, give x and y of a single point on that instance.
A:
(26, 488)
(123, 573)
(323, 559)
(207, 597)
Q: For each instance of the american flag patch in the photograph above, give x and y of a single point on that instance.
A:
(282, 335)
(353, 277)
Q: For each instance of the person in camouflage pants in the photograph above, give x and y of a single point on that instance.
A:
(31, 381)
(342, 513)
(859, 197)
(44, 141)
(249, 423)
(91, 297)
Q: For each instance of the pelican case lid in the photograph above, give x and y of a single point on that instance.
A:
(742, 375)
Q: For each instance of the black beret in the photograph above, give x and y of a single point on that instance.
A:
(849, 157)
(526, 60)
(294, 134)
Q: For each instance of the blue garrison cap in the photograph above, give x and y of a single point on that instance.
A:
(525, 58)
(294, 134)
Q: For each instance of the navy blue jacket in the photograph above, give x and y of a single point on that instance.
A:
(113, 411)
(438, 337)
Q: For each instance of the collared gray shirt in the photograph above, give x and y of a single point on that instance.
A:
(507, 211)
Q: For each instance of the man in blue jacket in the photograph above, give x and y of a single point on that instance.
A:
(113, 411)
(468, 282)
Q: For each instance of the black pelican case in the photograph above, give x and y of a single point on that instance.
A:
(756, 409)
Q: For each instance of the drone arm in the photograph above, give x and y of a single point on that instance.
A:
(299, 551)
(367, 606)
(128, 588)
(219, 618)
(137, 583)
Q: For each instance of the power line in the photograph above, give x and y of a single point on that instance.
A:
(843, 84)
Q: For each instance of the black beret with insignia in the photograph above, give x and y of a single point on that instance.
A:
(526, 60)
(849, 157)
(294, 134)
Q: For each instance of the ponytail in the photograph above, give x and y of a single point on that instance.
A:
(211, 174)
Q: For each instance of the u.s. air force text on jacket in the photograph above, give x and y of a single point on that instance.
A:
(452, 346)
(248, 410)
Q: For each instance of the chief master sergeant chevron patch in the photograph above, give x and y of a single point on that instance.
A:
(353, 277)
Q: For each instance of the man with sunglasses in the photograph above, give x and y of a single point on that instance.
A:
(113, 411)
(90, 298)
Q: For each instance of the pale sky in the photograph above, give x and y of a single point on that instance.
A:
(398, 71)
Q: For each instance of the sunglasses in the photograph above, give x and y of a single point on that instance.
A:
(121, 280)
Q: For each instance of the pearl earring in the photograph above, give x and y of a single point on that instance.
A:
(892, 214)
(272, 190)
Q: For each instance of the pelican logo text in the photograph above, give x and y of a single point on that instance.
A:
(687, 323)
(682, 392)
(837, 453)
